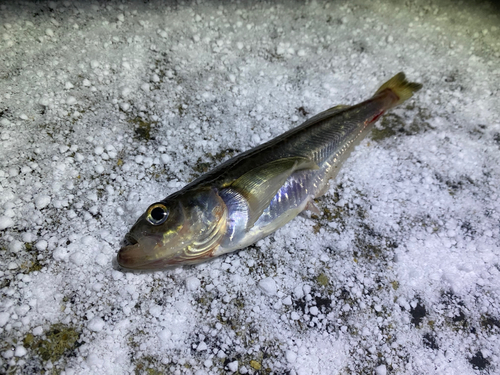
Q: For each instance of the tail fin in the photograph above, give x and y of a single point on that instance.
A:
(401, 87)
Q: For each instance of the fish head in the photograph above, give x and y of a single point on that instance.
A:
(183, 229)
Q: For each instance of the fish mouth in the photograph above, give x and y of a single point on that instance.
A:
(134, 256)
(131, 256)
(127, 260)
(129, 240)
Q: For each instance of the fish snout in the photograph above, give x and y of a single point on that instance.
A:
(142, 254)
(130, 256)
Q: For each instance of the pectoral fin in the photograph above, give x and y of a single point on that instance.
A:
(312, 207)
(261, 184)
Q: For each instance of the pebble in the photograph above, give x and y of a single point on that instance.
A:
(192, 283)
(96, 324)
(20, 351)
(5, 222)
(42, 201)
(268, 286)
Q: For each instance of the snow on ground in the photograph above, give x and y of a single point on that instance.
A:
(106, 108)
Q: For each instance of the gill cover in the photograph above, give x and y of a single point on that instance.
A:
(207, 216)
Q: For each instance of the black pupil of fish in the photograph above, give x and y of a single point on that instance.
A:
(158, 213)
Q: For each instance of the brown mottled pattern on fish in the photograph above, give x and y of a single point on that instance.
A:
(251, 195)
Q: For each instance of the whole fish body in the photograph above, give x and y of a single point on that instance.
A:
(251, 195)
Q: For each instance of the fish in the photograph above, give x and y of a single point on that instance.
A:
(250, 196)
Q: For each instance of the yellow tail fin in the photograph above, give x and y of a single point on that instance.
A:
(401, 87)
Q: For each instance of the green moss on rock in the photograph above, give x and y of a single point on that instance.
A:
(58, 341)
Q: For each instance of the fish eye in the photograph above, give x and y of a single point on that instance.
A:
(157, 214)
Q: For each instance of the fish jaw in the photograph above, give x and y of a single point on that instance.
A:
(132, 257)
(136, 255)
